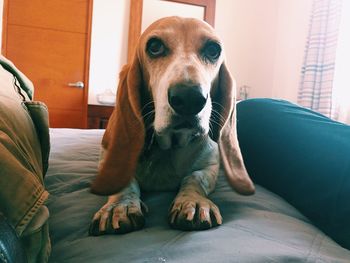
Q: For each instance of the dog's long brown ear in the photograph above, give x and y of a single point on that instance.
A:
(124, 138)
(223, 131)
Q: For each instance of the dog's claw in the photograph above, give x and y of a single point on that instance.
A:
(188, 214)
(94, 229)
(117, 218)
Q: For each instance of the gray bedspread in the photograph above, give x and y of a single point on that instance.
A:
(258, 228)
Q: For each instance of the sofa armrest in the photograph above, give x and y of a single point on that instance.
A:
(11, 249)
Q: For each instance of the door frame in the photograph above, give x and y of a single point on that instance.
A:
(86, 57)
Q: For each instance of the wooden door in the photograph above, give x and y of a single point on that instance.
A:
(49, 41)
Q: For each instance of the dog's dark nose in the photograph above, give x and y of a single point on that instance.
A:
(186, 99)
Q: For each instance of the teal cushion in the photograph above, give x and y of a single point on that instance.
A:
(302, 156)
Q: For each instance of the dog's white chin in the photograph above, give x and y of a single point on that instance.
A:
(175, 139)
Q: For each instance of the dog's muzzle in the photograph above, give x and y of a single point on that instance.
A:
(187, 101)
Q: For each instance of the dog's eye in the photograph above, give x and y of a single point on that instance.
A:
(155, 48)
(211, 51)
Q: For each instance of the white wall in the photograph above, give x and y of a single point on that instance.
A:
(109, 40)
(248, 30)
(292, 29)
(155, 9)
(264, 43)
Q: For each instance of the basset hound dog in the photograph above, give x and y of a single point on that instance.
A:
(173, 127)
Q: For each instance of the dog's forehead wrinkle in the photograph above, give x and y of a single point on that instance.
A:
(161, 33)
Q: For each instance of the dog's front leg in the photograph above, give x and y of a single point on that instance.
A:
(191, 209)
(122, 213)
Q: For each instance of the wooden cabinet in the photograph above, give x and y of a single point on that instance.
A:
(98, 116)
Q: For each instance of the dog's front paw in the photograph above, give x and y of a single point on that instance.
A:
(194, 212)
(118, 218)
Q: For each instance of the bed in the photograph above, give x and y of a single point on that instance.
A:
(258, 228)
(36, 209)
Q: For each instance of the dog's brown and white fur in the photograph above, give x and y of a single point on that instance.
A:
(173, 125)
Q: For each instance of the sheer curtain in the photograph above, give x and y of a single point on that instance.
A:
(341, 86)
(316, 85)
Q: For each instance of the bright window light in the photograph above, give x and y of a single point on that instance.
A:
(341, 93)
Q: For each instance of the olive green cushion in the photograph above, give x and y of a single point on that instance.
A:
(24, 148)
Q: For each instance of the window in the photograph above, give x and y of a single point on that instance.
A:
(341, 85)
